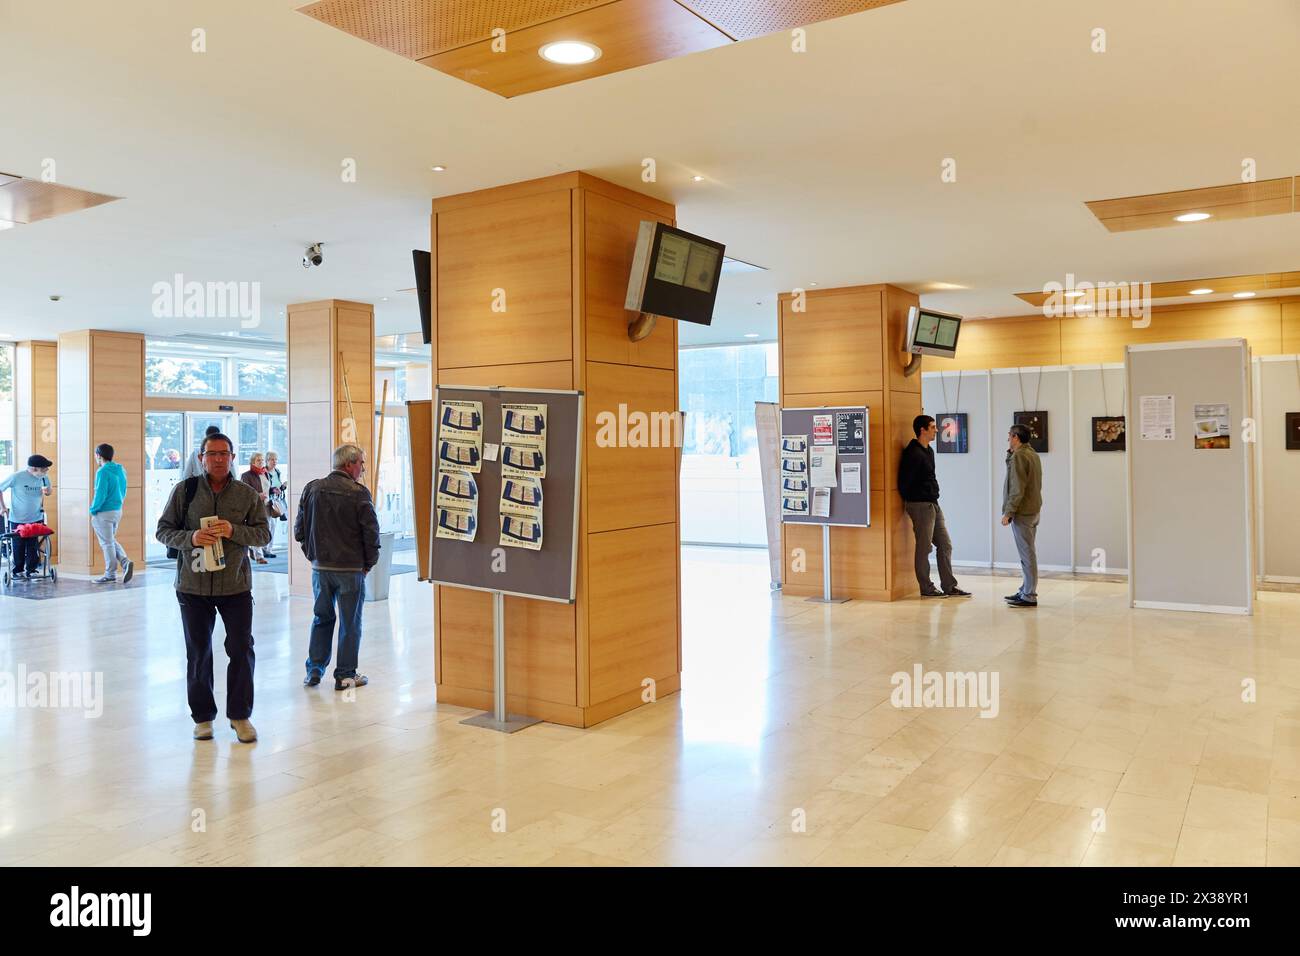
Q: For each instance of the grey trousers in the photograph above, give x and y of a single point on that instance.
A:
(927, 522)
(1024, 528)
(105, 524)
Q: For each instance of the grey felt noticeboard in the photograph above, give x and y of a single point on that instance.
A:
(549, 574)
(846, 510)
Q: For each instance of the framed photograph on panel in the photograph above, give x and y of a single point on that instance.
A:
(1108, 433)
(1037, 424)
(1293, 431)
(953, 437)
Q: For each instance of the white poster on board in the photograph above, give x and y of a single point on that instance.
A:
(1157, 417)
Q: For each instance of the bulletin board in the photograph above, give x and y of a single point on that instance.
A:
(1190, 494)
(548, 573)
(846, 510)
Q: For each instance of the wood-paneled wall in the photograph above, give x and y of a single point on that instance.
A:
(1271, 326)
(324, 340)
(845, 348)
(100, 384)
(560, 251)
(36, 409)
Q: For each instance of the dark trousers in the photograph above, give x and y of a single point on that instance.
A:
(198, 615)
(927, 522)
(27, 551)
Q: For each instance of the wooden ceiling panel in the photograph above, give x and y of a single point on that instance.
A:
(629, 33)
(1269, 197)
(31, 200)
(1261, 282)
(745, 19)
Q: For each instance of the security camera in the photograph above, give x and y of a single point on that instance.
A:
(312, 257)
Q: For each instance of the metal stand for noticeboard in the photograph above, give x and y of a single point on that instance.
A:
(499, 719)
(826, 572)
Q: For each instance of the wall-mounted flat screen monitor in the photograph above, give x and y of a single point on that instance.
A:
(674, 274)
(423, 275)
(932, 333)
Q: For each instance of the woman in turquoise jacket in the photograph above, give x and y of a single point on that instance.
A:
(106, 514)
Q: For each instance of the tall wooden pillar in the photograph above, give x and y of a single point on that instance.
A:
(100, 400)
(36, 407)
(556, 253)
(331, 357)
(843, 348)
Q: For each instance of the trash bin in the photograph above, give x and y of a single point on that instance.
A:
(377, 579)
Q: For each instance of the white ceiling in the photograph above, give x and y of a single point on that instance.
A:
(823, 166)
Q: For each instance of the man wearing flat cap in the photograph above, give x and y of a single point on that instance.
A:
(27, 488)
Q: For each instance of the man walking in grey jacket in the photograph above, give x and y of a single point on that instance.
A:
(241, 524)
(339, 533)
(1022, 500)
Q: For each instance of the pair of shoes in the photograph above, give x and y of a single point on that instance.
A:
(926, 594)
(245, 731)
(261, 560)
(130, 570)
(343, 683)
(20, 575)
(106, 579)
(1011, 597)
(1021, 602)
(203, 730)
(311, 680)
(957, 592)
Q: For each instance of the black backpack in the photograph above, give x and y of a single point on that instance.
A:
(191, 489)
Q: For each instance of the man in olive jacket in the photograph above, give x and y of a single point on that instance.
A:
(339, 533)
(1022, 500)
(203, 595)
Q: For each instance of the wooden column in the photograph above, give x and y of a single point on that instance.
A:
(559, 250)
(844, 349)
(36, 407)
(100, 399)
(326, 340)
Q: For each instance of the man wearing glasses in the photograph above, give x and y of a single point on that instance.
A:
(202, 594)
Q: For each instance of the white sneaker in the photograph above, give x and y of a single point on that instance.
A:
(245, 731)
(130, 570)
(106, 579)
(203, 731)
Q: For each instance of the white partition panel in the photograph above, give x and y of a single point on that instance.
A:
(1100, 477)
(1190, 509)
(1279, 390)
(964, 478)
(1052, 396)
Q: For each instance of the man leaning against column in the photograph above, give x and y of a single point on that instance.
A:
(919, 488)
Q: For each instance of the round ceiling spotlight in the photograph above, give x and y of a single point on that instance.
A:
(570, 52)
(1192, 217)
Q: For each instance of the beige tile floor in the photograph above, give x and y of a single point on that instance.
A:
(1122, 738)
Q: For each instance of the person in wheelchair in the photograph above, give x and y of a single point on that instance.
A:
(28, 490)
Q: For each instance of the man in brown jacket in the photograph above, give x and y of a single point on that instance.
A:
(1022, 500)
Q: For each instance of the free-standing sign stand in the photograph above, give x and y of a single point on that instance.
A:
(846, 509)
(546, 574)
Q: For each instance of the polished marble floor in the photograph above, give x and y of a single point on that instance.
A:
(1122, 737)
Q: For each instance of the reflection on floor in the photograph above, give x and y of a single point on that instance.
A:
(1120, 737)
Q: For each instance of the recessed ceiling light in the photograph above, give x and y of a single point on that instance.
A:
(1200, 292)
(1075, 294)
(1193, 217)
(811, 284)
(945, 286)
(1082, 307)
(570, 52)
(751, 335)
(383, 298)
(697, 179)
(1243, 295)
(439, 169)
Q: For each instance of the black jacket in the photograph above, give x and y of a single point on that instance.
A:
(336, 524)
(916, 480)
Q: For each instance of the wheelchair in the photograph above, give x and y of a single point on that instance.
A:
(45, 569)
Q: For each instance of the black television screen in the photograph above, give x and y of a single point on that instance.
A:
(674, 274)
(423, 275)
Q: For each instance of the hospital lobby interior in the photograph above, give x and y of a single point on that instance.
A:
(665, 284)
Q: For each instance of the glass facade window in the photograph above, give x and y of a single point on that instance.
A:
(8, 421)
(267, 380)
(722, 489)
(167, 375)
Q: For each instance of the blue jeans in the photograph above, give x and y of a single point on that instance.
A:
(348, 588)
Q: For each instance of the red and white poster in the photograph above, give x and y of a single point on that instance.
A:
(823, 432)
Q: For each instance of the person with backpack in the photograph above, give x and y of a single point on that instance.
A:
(240, 525)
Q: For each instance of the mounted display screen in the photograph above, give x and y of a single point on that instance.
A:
(674, 274)
(932, 333)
